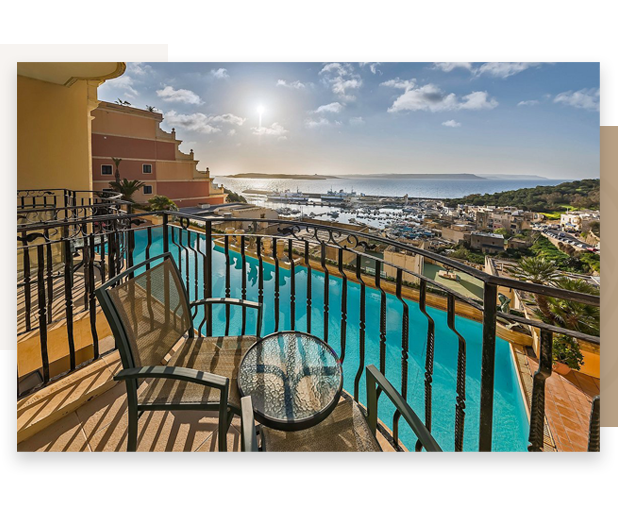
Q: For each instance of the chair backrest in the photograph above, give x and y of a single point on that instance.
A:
(148, 313)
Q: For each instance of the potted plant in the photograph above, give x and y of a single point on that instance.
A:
(566, 355)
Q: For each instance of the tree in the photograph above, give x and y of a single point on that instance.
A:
(151, 108)
(127, 188)
(538, 271)
(117, 164)
(572, 315)
(160, 202)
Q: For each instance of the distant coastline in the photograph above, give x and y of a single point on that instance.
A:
(417, 176)
(267, 176)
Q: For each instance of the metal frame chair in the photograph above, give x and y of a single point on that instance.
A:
(375, 380)
(126, 337)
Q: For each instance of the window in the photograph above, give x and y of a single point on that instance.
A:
(147, 168)
(106, 169)
(147, 189)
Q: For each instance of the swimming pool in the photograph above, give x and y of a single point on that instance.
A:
(510, 429)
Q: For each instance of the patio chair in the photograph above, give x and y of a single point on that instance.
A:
(346, 429)
(150, 316)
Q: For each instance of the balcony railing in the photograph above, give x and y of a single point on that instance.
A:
(63, 260)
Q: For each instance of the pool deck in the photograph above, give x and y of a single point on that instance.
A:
(568, 403)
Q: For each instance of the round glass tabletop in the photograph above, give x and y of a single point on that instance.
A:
(294, 380)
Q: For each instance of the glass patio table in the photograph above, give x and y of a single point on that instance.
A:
(294, 380)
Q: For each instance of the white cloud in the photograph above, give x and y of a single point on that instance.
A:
(373, 67)
(450, 66)
(232, 132)
(451, 123)
(330, 108)
(321, 122)
(200, 122)
(274, 130)
(182, 96)
(297, 85)
(430, 98)
(220, 73)
(531, 102)
(125, 83)
(587, 98)
(357, 121)
(341, 78)
(138, 68)
(504, 70)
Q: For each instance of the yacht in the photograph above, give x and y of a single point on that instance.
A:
(341, 196)
(287, 196)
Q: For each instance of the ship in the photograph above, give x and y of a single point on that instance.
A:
(287, 196)
(334, 196)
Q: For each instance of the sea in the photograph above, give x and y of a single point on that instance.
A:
(388, 186)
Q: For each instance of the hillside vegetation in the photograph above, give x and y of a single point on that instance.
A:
(582, 194)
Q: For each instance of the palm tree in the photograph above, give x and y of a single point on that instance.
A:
(127, 188)
(117, 164)
(160, 202)
(537, 271)
(151, 108)
(575, 316)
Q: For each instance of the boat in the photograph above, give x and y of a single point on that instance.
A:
(287, 196)
(334, 196)
(445, 274)
(333, 214)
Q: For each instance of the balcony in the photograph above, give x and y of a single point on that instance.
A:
(458, 361)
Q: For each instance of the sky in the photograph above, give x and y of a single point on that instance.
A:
(376, 118)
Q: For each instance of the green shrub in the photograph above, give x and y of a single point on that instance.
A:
(566, 350)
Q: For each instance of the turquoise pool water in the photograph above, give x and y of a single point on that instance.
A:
(510, 419)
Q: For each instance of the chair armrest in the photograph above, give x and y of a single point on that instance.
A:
(233, 302)
(248, 440)
(374, 379)
(176, 373)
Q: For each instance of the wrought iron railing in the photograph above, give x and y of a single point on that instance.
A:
(65, 260)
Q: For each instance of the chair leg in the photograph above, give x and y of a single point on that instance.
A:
(133, 415)
(224, 425)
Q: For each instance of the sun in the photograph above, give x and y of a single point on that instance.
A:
(260, 110)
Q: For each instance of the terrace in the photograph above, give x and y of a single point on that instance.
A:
(446, 354)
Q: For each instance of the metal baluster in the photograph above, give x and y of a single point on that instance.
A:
(103, 268)
(226, 241)
(460, 407)
(429, 354)
(344, 304)
(594, 432)
(488, 365)
(258, 245)
(195, 249)
(537, 407)
(292, 286)
(361, 328)
(326, 290)
(42, 312)
(49, 277)
(27, 287)
(378, 281)
(130, 248)
(68, 295)
(276, 260)
(208, 276)
(308, 265)
(243, 288)
(93, 305)
(404, 352)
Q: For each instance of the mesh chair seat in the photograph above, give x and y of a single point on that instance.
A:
(218, 355)
(346, 429)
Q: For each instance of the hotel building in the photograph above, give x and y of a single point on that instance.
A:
(148, 154)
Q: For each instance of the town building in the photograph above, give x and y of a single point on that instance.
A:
(148, 154)
(579, 220)
(509, 218)
(486, 242)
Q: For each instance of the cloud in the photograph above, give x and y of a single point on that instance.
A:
(297, 85)
(357, 121)
(232, 132)
(373, 67)
(200, 122)
(138, 68)
(532, 102)
(330, 108)
(587, 98)
(430, 98)
(220, 73)
(321, 121)
(341, 78)
(504, 70)
(124, 83)
(450, 66)
(182, 96)
(274, 130)
(451, 124)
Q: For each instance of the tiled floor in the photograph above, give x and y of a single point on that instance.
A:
(567, 407)
(101, 425)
